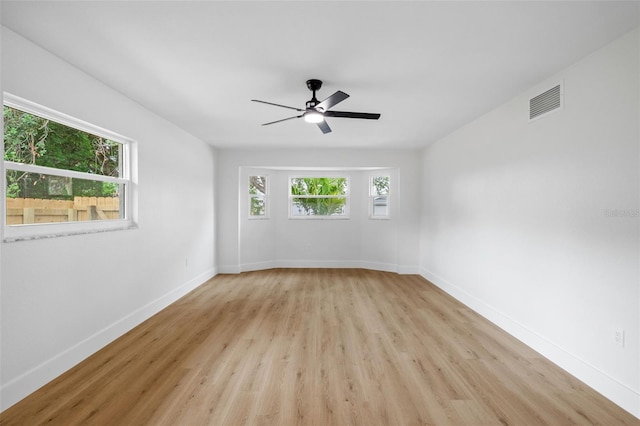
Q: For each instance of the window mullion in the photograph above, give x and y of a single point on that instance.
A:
(32, 168)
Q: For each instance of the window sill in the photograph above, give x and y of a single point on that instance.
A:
(37, 232)
(318, 217)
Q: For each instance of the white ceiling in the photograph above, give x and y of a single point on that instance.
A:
(427, 67)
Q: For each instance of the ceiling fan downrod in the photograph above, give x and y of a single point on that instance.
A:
(313, 85)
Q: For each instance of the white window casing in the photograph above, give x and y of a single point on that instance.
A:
(124, 180)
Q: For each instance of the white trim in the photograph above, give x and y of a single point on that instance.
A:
(30, 381)
(32, 168)
(59, 117)
(319, 217)
(255, 266)
(307, 263)
(408, 270)
(37, 231)
(619, 393)
(230, 269)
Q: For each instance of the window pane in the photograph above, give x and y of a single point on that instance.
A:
(30, 139)
(318, 196)
(380, 185)
(36, 185)
(257, 185)
(257, 196)
(318, 206)
(319, 186)
(258, 207)
(40, 198)
(380, 206)
(379, 196)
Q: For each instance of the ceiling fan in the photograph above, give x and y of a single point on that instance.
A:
(316, 111)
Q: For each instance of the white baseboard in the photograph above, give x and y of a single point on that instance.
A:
(619, 393)
(229, 269)
(375, 266)
(378, 266)
(30, 381)
(408, 270)
(257, 266)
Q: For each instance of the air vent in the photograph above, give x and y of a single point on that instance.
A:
(545, 102)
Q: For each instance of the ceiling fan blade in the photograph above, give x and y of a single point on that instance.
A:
(284, 119)
(324, 127)
(345, 114)
(332, 100)
(278, 105)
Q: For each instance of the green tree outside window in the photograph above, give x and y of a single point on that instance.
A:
(31, 139)
(319, 196)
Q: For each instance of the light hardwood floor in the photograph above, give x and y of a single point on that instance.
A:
(316, 347)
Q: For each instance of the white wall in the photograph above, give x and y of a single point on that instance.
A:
(245, 244)
(516, 220)
(64, 298)
(354, 242)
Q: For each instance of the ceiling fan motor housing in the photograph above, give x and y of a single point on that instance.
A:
(314, 84)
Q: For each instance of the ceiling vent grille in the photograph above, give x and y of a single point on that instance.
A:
(545, 102)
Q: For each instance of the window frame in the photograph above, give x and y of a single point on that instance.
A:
(264, 197)
(124, 180)
(373, 196)
(347, 196)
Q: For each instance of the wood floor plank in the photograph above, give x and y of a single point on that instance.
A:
(316, 347)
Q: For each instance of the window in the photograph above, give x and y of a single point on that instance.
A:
(319, 197)
(379, 197)
(257, 197)
(62, 175)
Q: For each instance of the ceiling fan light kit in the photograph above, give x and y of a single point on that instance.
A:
(315, 111)
(313, 117)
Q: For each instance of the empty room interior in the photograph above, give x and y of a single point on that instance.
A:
(320, 213)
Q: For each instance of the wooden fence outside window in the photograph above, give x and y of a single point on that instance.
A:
(32, 210)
